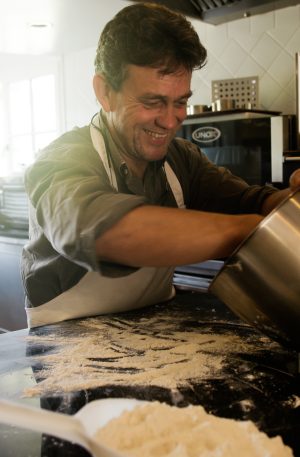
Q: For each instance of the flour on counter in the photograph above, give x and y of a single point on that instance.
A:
(159, 430)
(114, 351)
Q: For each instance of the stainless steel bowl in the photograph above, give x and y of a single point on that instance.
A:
(196, 109)
(260, 282)
(223, 104)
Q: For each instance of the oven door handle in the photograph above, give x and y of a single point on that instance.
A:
(292, 159)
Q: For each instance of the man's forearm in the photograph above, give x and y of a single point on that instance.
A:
(155, 236)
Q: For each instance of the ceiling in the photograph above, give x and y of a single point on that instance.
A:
(62, 26)
(16, 35)
(52, 26)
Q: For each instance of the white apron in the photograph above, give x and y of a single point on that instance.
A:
(95, 294)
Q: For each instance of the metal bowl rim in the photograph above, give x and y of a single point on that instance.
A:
(246, 240)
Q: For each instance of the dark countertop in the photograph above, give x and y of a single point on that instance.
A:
(260, 383)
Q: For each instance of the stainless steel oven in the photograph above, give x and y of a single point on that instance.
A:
(249, 143)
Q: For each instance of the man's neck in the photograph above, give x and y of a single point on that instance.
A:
(137, 167)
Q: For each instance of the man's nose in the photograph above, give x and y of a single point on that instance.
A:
(168, 118)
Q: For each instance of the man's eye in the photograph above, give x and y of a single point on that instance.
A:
(152, 103)
(181, 103)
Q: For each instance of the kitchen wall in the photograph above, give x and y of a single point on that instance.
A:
(264, 45)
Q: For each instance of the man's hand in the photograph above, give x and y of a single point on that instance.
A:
(274, 199)
(295, 180)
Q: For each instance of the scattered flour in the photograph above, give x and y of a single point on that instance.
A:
(111, 351)
(159, 430)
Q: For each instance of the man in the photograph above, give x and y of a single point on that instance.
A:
(116, 205)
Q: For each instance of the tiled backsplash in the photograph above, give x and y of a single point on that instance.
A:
(264, 45)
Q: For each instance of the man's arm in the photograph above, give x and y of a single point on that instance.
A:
(156, 236)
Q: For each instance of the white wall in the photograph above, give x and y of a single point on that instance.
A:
(80, 101)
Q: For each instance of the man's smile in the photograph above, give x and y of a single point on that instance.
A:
(156, 135)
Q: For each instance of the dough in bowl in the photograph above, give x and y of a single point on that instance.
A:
(158, 430)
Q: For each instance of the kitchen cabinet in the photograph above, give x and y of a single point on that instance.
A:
(258, 381)
(12, 310)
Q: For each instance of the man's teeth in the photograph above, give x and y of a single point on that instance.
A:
(156, 135)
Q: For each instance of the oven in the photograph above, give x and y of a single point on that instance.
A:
(250, 144)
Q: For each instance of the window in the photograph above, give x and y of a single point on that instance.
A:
(32, 121)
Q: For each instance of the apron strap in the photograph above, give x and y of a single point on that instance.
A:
(99, 145)
(175, 185)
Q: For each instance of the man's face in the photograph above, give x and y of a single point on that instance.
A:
(147, 111)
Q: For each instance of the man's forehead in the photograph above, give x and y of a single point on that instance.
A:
(159, 72)
(154, 94)
(152, 80)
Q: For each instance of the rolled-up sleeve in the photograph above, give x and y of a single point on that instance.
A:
(74, 202)
(208, 187)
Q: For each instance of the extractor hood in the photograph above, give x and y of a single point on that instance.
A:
(220, 11)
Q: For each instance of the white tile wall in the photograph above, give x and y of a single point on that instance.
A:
(264, 45)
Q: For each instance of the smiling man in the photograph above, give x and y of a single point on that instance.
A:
(116, 205)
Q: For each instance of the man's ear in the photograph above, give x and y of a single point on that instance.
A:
(103, 92)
